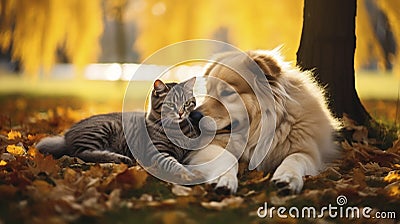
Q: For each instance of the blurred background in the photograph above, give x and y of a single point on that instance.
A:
(79, 54)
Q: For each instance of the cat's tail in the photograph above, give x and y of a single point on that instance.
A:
(55, 146)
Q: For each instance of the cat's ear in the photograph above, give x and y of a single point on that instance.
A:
(160, 87)
(190, 83)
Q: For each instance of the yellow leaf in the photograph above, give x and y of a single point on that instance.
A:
(12, 135)
(392, 176)
(3, 163)
(15, 150)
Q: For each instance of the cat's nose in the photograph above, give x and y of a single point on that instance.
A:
(196, 116)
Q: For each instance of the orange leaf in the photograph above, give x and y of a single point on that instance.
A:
(32, 151)
(134, 177)
(44, 164)
(393, 189)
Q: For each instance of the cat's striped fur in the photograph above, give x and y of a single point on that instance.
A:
(101, 138)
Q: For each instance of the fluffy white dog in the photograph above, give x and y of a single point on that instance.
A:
(267, 113)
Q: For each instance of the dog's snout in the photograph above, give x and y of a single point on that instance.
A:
(196, 116)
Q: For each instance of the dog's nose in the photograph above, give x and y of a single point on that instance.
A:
(196, 116)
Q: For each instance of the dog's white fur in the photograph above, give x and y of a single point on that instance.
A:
(303, 139)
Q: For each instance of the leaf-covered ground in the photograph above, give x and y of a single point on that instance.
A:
(38, 189)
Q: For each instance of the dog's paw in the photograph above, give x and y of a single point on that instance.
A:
(288, 183)
(225, 185)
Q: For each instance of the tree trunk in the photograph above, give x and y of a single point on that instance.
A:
(327, 46)
(120, 33)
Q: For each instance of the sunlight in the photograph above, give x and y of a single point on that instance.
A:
(158, 9)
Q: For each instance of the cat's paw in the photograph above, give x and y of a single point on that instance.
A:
(287, 183)
(226, 184)
(123, 159)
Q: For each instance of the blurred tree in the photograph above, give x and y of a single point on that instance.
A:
(247, 25)
(259, 24)
(37, 29)
(327, 45)
(116, 10)
(377, 32)
(392, 11)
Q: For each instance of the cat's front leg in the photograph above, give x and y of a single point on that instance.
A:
(105, 156)
(218, 166)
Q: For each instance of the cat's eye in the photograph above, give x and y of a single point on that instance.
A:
(227, 93)
(168, 104)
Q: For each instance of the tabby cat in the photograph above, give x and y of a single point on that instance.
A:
(101, 138)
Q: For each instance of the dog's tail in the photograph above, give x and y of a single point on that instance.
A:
(55, 146)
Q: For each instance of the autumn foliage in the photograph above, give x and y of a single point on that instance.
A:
(36, 188)
(37, 30)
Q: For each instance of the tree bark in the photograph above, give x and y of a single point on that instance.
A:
(327, 46)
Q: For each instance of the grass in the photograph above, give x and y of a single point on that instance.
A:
(378, 91)
(106, 96)
(369, 85)
(374, 85)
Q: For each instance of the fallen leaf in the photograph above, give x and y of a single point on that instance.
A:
(146, 197)
(170, 202)
(256, 177)
(12, 135)
(180, 190)
(7, 157)
(232, 202)
(134, 177)
(40, 190)
(198, 191)
(3, 163)
(172, 217)
(360, 134)
(7, 191)
(393, 189)
(114, 199)
(95, 171)
(32, 151)
(392, 176)
(359, 178)
(16, 150)
(45, 164)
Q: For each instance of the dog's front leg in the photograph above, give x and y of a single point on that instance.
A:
(217, 165)
(288, 177)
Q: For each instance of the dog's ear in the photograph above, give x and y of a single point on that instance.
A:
(267, 64)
